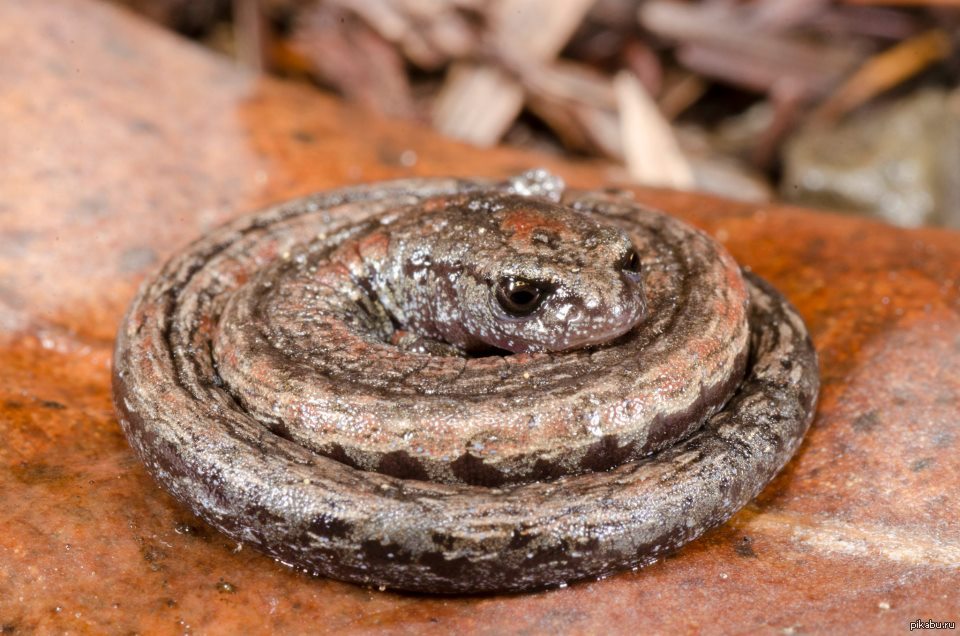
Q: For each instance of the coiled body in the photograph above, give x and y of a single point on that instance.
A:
(351, 383)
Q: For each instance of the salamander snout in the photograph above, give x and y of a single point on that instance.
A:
(520, 274)
(588, 294)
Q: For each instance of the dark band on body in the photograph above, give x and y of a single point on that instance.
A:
(438, 521)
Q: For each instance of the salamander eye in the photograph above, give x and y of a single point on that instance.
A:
(630, 263)
(520, 297)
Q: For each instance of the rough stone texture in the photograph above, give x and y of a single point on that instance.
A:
(120, 144)
(898, 162)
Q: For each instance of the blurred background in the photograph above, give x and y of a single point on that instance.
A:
(844, 104)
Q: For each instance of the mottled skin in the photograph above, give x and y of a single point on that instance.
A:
(437, 278)
(260, 380)
(437, 272)
(353, 344)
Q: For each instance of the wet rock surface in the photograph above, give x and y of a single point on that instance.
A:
(123, 144)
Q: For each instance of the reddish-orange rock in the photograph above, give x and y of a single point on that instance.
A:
(120, 143)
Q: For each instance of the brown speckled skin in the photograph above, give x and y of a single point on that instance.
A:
(298, 335)
(431, 268)
(226, 422)
(122, 143)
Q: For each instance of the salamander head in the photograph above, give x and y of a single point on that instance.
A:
(539, 276)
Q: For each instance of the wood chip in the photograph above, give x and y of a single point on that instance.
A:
(579, 105)
(719, 42)
(680, 93)
(650, 148)
(908, 3)
(346, 53)
(478, 102)
(249, 33)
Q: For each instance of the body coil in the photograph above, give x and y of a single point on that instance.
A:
(343, 382)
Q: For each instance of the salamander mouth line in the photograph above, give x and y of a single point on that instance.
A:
(328, 381)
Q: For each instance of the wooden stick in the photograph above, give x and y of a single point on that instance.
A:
(884, 71)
